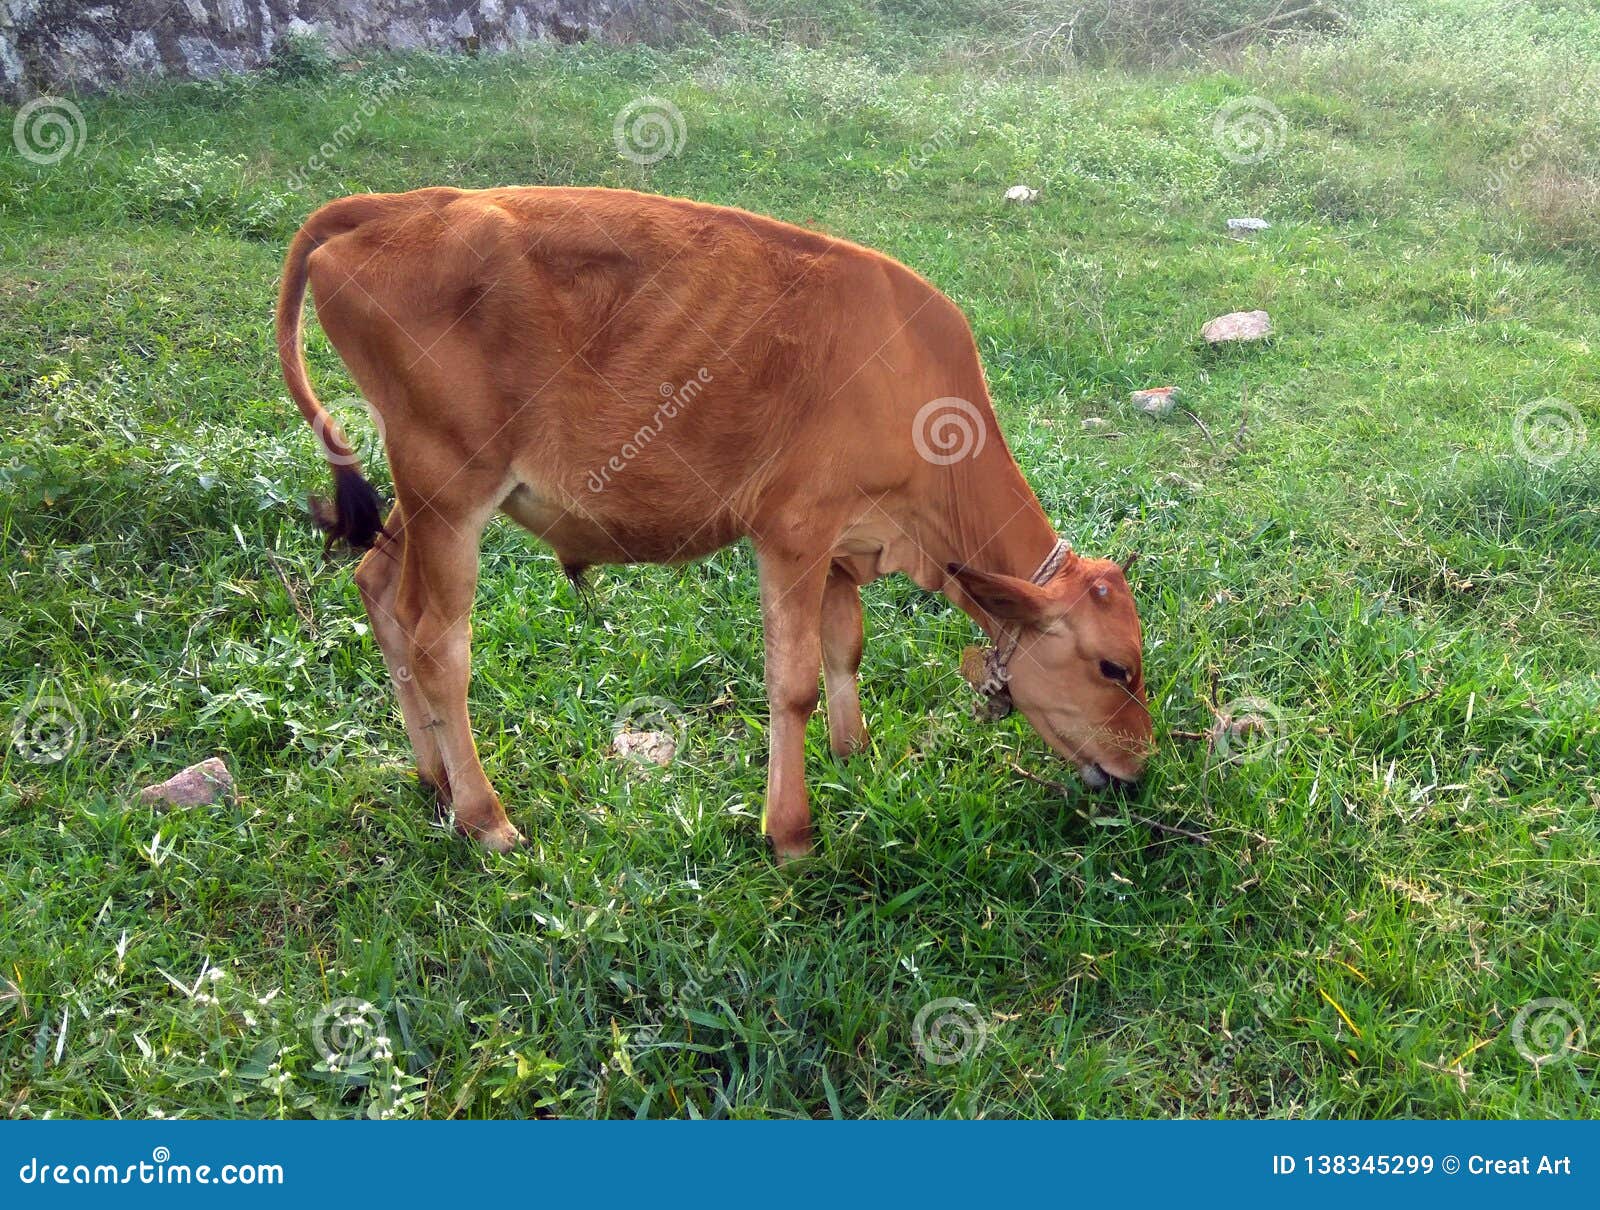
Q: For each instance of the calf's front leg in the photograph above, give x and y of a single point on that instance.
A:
(791, 621)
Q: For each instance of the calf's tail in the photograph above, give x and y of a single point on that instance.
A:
(356, 513)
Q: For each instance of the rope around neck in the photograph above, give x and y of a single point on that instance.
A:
(994, 690)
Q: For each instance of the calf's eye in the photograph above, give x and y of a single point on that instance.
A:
(1112, 671)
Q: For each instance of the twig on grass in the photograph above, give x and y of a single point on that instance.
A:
(304, 614)
(1203, 428)
(1413, 701)
(1142, 820)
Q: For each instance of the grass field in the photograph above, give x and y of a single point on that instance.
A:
(1381, 535)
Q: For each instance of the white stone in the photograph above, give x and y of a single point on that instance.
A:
(1156, 401)
(1237, 325)
(141, 53)
(656, 747)
(193, 787)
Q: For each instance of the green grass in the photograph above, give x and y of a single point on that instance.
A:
(1359, 544)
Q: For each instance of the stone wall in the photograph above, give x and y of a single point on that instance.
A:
(71, 45)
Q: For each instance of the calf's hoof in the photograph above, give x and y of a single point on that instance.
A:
(501, 840)
(491, 829)
(792, 847)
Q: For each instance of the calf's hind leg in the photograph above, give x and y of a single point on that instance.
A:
(378, 578)
(841, 658)
(438, 581)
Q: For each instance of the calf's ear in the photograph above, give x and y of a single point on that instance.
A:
(1004, 597)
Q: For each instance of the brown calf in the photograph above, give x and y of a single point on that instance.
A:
(645, 379)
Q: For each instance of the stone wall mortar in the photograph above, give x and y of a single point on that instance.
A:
(51, 46)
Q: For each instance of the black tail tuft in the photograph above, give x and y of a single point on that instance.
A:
(577, 576)
(356, 515)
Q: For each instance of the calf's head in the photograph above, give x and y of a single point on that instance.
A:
(1077, 672)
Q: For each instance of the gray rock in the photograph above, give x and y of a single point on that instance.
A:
(1155, 401)
(141, 54)
(646, 747)
(1248, 224)
(56, 47)
(1237, 325)
(232, 16)
(194, 787)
